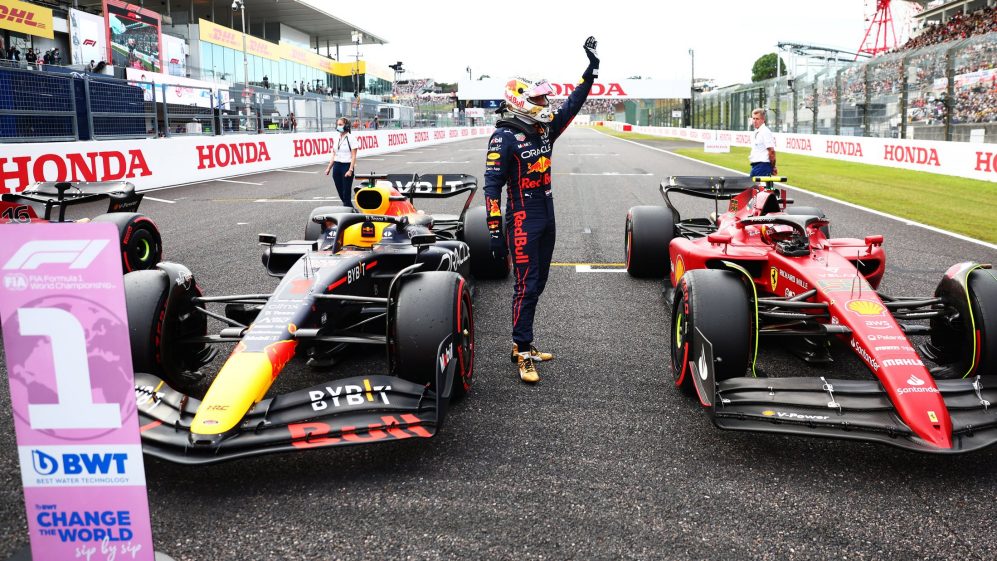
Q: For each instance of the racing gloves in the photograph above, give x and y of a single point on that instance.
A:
(593, 70)
(496, 242)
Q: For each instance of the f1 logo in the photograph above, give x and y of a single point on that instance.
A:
(89, 43)
(78, 253)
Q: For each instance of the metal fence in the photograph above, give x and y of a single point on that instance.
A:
(942, 92)
(121, 109)
(37, 107)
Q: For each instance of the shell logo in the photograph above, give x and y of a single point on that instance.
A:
(678, 269)
(768, 413)
(866, 308)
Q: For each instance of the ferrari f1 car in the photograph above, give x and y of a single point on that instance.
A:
(378, 277)
(759, 268)
(141, 244)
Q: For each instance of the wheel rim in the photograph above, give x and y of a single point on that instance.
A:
(465, 337)
(678, 342)
(144, 250)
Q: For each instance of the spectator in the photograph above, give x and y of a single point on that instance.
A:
(30, 57)
(266, 82)
(91, 66)
(762, 157)
(292, 122)
(13, 53)
(57, 56)
(47, 59)
(376, 123)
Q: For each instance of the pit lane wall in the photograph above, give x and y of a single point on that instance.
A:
(958, 159)
(162, 162)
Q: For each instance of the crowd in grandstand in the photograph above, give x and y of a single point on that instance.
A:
(959, 26)
(410, 87)
(597, 107)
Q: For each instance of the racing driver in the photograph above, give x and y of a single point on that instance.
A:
(519, 156)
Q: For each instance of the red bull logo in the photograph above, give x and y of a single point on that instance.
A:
(540, 166)
(519, 238)
(493, 208)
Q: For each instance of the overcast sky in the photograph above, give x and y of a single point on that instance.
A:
(441, 38)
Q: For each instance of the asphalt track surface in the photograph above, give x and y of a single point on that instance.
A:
(603, 459)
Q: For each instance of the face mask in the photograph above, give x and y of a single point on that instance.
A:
(340, 128)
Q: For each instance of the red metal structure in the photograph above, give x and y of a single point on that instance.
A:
(882, 22)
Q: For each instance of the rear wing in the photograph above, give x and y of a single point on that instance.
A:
(428, 185)
(46, 196)
(707, 187)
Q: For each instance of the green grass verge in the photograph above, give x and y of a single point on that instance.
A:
(952, 203)
(631, 135)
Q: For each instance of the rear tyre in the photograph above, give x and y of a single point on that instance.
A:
(478, 240)
(141, 244)
(313, 230)
(809, 211)
(717, 304)
(432, 306)
(649, 230)
(160, 315)
(953, 340)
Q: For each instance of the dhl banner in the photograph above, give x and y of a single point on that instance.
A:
(220, 35)
(26, 18)
(319, 62)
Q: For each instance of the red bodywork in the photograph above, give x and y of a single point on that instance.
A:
(844, 272)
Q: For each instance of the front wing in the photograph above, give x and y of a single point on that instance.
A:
(346, 411)
(852, 409)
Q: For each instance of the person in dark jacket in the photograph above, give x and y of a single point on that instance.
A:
(519, 157)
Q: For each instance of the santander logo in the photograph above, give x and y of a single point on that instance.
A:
(915, 381)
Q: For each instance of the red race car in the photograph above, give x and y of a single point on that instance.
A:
(141, 244)
(758, 268)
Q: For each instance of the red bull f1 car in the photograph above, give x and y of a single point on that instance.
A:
(760, 269)
(382, 276)
(141, 243)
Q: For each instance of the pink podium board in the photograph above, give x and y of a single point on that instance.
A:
(65, 336)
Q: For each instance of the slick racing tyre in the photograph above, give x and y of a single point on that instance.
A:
(160, 315)
(141, 244)
(809, 211)
(478, 240)
(717, 304)
(432, 306)
(965, 339)
(313, 230)
(649, 230)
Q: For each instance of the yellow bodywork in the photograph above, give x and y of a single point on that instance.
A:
(353, 235)
(243, 381)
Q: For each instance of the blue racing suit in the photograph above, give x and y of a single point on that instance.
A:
(519, 156)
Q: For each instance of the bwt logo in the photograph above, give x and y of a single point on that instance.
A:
(79, 254)
(89, 43)
(78, 464)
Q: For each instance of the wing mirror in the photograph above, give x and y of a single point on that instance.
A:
(268, 239)
(424, 239)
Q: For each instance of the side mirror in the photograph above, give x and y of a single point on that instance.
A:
(424, 239)
(268, 239)
(871, 241)
(718, 238)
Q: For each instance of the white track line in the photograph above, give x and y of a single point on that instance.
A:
(148, 198)
(590, 269)
(603, 174)
(438, 162)
(297, 171)
(906, 221)
(241, 182)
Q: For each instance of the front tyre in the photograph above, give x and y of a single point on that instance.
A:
(716, 304)
(161, 315)
(649, 231)
(965, 339)
(430, 307)
(141, 244)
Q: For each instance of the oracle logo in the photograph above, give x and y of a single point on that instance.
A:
(911, 155)
(225, 155)
(20, 171)
(844, 148)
